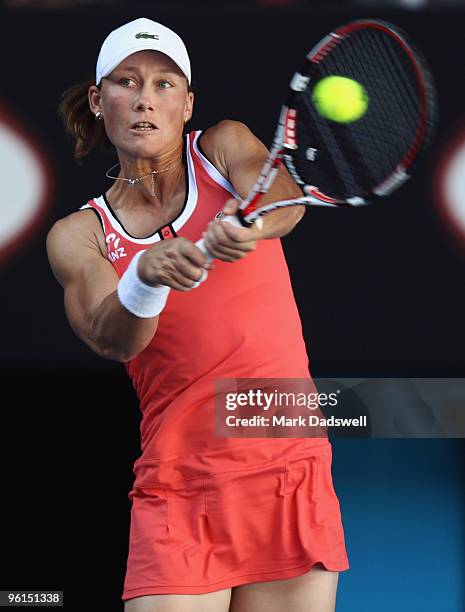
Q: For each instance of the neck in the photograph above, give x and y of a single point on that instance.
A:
(161, 179)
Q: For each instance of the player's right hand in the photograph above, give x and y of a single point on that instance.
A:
(176, 262)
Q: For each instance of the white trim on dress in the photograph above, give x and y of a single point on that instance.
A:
(177, 223)
(213, 172)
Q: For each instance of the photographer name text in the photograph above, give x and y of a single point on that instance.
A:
(300, 421)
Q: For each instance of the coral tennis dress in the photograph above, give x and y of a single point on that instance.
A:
(209, 513)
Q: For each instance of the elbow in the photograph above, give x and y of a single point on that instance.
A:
(106, 347)
(115, 355)
(298, 213)
(115, 352)
(121, 340)
(293, 214)
(301, 210)
(108, 350)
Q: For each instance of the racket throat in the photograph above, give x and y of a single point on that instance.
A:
(242, 220)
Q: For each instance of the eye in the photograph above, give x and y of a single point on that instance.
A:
(125, 81)
(165, 84)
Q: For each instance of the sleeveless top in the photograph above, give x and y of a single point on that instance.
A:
(242, 322)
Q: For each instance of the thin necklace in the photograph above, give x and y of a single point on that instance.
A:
(133, 181)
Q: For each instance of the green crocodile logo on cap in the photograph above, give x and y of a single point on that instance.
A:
(147, 35)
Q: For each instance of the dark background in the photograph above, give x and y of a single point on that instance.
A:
(380, 291)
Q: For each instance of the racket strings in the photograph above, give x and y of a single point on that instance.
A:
(363, 174)
(384, 137)
(421, 101)
(333, 167)
(382, 120)
(356, 157)
(387, 129)
(397, 68)
(338, 153)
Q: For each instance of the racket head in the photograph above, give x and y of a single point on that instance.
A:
(352, 163)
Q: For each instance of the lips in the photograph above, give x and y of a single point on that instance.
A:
(143, 126)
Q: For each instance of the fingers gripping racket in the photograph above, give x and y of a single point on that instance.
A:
(350, 164)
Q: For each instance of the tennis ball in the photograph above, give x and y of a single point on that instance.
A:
(340, 99)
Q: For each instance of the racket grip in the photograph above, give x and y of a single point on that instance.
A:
(200, 244)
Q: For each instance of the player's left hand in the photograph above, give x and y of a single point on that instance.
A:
(228, 242)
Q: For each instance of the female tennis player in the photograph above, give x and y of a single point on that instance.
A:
(217, 523)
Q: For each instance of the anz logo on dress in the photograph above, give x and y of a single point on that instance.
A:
(114, 250)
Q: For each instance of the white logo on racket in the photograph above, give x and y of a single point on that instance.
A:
(311, 154)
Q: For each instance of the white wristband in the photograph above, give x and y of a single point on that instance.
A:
(140, 299)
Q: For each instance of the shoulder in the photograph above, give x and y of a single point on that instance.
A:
(78, 229)
(226, 133)
(226, 139)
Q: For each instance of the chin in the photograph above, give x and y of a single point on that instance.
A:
(142, 152)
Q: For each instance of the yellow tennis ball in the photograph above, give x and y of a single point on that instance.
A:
(340, 99)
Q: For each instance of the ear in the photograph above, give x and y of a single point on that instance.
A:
(95, 102)
(189, 106)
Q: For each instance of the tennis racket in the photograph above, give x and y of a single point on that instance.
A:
(350, 164)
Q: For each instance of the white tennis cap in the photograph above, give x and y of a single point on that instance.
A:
(140, 35)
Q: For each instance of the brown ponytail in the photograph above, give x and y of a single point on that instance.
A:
(87, 132)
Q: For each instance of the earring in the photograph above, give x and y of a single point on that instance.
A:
(98, 115)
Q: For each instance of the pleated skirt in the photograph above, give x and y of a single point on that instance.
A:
(249, 525)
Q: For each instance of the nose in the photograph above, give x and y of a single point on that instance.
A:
(144, 100)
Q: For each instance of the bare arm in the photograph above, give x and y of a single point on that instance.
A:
(89, 282)
(240, 156)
